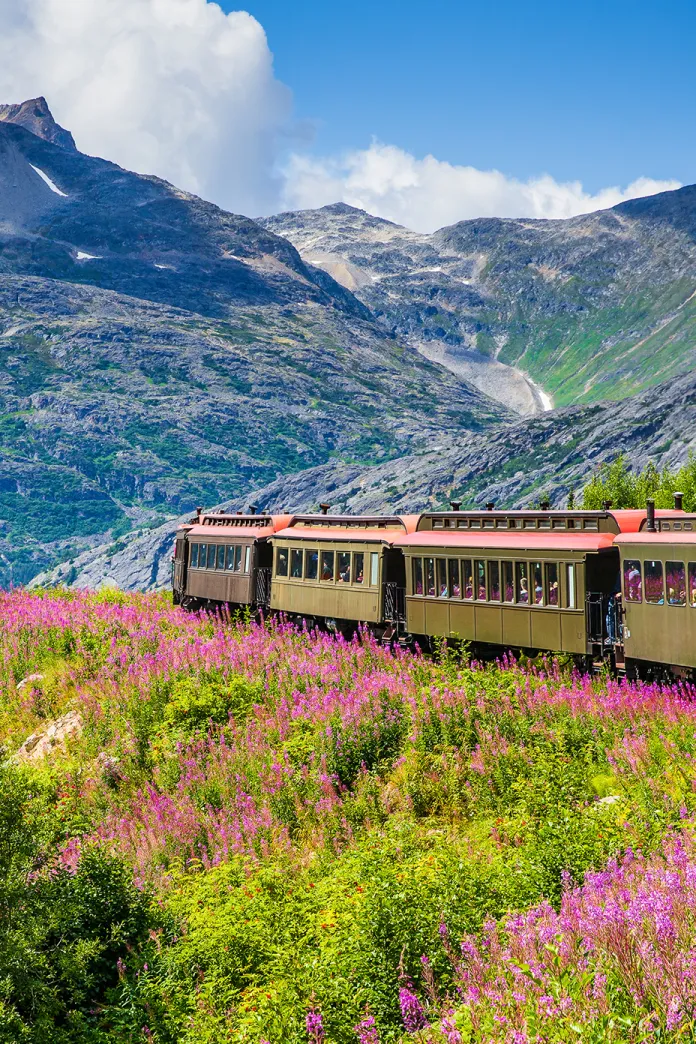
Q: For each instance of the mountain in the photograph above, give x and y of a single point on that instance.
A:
(157, 352)
(35, 116)
(514, 466)
(595, 307)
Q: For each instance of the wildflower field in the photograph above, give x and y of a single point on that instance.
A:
(256, 834)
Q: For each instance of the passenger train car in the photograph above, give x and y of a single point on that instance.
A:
(609, 585)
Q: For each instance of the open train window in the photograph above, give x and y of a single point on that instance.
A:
(358, 567)
(480, 569)
(327, 565)
(202, 552)
(467, 578)
(343, 567)
(220, 564)
(508, 583)
(194, 556)
(521, 583)
(442, 585)
(418, 576)
(675, 575)
(692, 584)
(296, 564)
(455, 588)
(311, 564)
(212, 555)
(230, 556)
(282, 562)
(538, 589)
(430, 577)
(551, 583)
(633, 580)
(494, 581)
(238, 558)
(570, 589)
(654, 583)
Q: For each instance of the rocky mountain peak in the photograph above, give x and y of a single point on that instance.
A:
(35, 116)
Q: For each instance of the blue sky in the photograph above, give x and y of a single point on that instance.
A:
(422, 113)
(604, 92)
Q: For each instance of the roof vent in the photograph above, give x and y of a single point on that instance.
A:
(455, 505)
(490, 506)
(607, 505)
(324, 508)
(678, 501)
(199, 511)
(650, 522)
(252, 509)
(545, 504)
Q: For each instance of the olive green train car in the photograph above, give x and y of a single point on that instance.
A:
(658, 569)
(512, 579)
(338, 569)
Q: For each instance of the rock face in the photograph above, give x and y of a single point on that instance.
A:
(514, 466)
(51, 738)
(156, 353)
(35, 116)
(594, 307)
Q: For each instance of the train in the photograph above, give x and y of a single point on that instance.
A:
(610, 587)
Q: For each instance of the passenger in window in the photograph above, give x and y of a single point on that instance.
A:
(344, 567)
(633, 584)
(676, 583)
(524, 593)
(692, 584)
(327, 565)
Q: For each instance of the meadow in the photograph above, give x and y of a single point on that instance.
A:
(214, 830)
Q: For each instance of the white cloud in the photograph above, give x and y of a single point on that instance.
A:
(169, 87)
(429, 193)
(180, 89)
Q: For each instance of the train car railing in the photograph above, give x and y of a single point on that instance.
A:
(394, 603)
(263, 587)
(604, 622)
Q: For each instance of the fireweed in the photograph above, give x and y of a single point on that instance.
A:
(403, 805)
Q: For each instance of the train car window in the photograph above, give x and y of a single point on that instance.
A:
(521, 583)
(296, 564)
(463, 523)
(654, 584)
(442, 585)
(494, 581)
(418, 576)
(480, 569)
(220, 557)
(692, 584)
(453, 577)
(430, 576)
(343, 564)
(194, 556)
(538, 589)
(311, 564)
(551, 580)
(282, 562)
(212, 555)
(675, 575)
(633, 580)
(230, 556)
(202, 552)
(467, 578)
(530, 523)
(358, 567)
(570, 579)
(238, 558)
(508, 583)
(374, 568)
(544, 523)
(247, 558)
(327, 565)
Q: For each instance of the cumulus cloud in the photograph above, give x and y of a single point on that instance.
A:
(169, 87)
(180, 89)
(425, 194)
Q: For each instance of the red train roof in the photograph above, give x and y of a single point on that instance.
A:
(232, 531)
(319, 533)
(524, 540)
(646, 538)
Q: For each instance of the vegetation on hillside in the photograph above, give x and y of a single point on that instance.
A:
(259, 834)
(630, 489)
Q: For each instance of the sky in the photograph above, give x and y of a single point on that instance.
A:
(422, 112)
